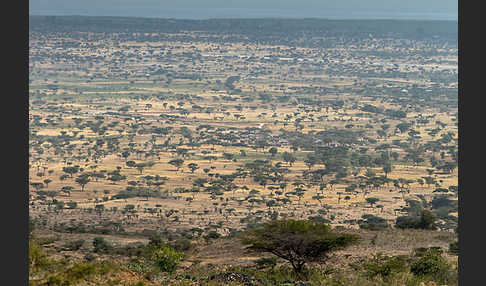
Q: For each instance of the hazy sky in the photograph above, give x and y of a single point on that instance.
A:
(150, 7)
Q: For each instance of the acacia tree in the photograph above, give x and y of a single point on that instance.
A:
(177, 163)
(297, 241)
(387, 168)
(141, 166)
(273, 151)
(289, 158)
(372, 201)
(125, 154)
(47, 181)
(82, 181)
(193, 167)
(71, 170)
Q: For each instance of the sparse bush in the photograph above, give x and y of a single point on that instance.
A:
(101, 245)
(181, 244)
(372, 222)
(385, 266)
(74, 245)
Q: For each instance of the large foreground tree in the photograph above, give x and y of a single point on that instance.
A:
(297, 241)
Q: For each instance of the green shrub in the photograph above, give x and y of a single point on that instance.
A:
(454, 248)
(74, 245)
(101, 245)
(57, 279)
(81, 270)
(140, 266)
(430, 263)
(385, 266)
(37, 258)
(373, 222)
(167, 258)
(426, 220)
(212, 235)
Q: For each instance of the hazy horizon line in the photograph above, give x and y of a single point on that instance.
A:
(250, 13)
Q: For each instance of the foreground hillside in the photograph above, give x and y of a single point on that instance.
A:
(225, 261)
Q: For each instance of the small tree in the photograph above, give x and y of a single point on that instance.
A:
(177, 163)
(82, 181)
(372, 201)
(297, 241)
(387, 168)
(430, 263)
(47, 181)
(125, 154)
(427, 220)
(70, 170)
(289, 158)
(273, 151)
(193, 167)
(100, 245)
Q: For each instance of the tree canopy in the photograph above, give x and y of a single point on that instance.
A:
(297, 241)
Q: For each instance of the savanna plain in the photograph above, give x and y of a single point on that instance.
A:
(157, 147)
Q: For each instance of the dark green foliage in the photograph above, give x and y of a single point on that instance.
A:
(372, 201)
(426, 220)
(385, 266)
(74, 245)
(176, 163)
(403, 126)
(373, 222)
(71, 170)
(395, 113)
(318, 218)
(454, 248)
(212, 235)
(155, 256)
(166, 258)
(100, 245)
(443, 201)
(82, 180)
(414, 207)
(296, 241)
(404, 222)
(268, 30)
(431, 263)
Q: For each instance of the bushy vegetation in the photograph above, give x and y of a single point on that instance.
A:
(373, 222)
(158, 263)
(426, 220)
(45, 270)
(298, 242)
